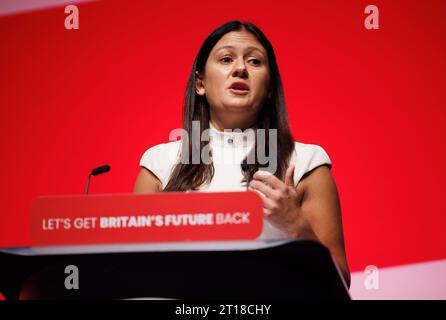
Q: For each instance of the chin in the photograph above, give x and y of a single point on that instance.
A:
(238, 103)
(238, 107)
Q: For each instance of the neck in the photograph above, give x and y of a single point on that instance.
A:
(232, 122)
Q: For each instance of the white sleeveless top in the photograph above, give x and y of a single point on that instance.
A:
(228, 151)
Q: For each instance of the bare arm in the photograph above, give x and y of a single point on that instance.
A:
(310, 210)
(147, 182)
(321, 208)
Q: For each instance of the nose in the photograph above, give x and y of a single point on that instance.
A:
(240, 70)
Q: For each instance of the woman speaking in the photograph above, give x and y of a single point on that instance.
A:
(234, 104)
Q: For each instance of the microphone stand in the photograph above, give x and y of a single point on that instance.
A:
(88, 184)
(95, 172)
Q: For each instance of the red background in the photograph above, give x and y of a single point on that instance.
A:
(374, 99)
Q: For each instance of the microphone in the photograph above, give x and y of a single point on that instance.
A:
(99, 170)
(95, 172)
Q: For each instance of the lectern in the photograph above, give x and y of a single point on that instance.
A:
(193, 265)
(300, 269)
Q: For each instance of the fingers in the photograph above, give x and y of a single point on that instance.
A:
(269, 179)
(273, 181)
(289, 176)
(267, 202)
(267, 212)
(271, 189)
(265, 189)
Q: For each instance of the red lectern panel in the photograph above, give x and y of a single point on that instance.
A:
(134, 218)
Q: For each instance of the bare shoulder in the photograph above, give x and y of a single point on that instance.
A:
(147, 182)
(318, 180)
(320, 196)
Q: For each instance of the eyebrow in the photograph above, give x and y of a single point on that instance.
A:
(250, 48)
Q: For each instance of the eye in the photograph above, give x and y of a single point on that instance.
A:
(226, 60)
(255, 62)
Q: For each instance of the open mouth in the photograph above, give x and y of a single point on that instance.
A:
(239, 88)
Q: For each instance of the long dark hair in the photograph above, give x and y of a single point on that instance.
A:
(272, 115)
